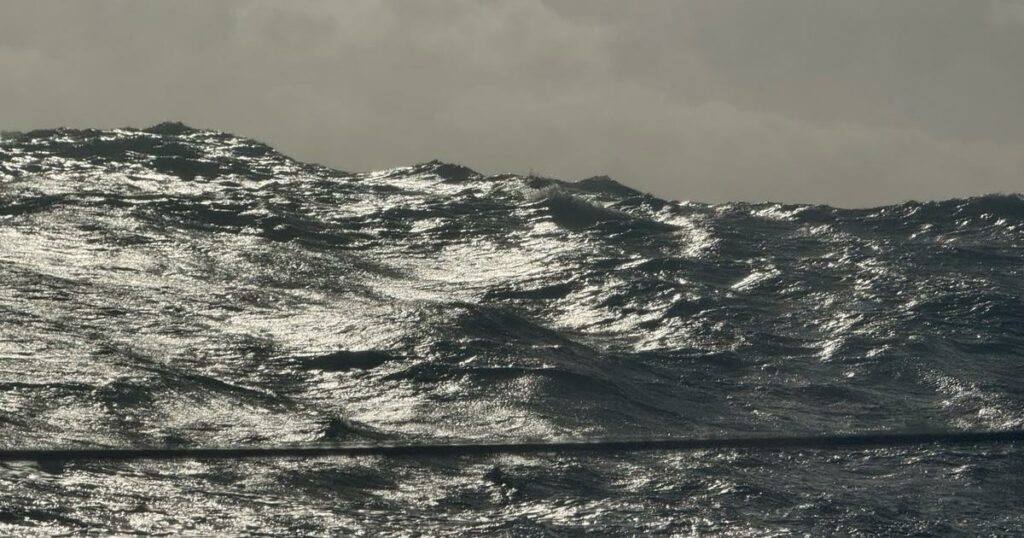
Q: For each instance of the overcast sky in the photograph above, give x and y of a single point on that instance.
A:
(852, 103)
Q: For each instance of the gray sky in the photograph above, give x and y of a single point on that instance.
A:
(854, 102)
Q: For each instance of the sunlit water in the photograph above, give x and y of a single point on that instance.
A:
(176, 287)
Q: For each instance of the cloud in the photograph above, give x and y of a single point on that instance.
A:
(716, 151)
(1007, 12)
(850, 103)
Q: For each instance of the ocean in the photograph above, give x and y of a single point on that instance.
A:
(175, 287)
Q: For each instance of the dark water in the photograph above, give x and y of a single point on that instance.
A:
(173, 287)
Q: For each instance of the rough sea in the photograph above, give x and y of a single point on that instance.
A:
(174, 287)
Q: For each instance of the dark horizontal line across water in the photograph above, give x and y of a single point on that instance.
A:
(805, 442)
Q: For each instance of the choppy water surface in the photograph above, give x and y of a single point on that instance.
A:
(176, 287)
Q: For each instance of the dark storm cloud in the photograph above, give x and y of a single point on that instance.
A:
(854, 102)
